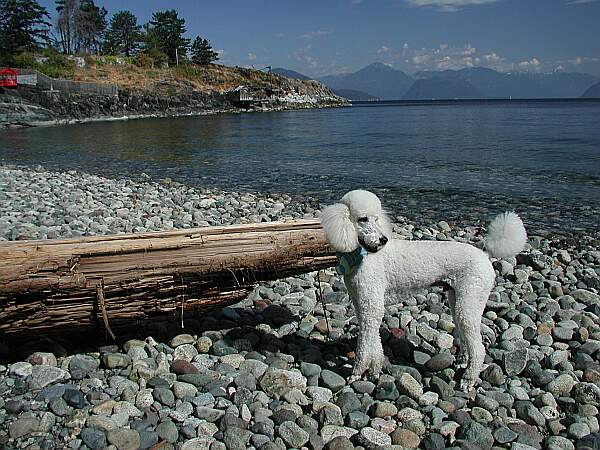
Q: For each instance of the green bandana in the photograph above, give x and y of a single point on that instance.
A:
(349, 262)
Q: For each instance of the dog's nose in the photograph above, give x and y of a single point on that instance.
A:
(383, 240)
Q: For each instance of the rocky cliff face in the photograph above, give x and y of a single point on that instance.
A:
(30, 106)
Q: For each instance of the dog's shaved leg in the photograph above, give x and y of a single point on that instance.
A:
(469, 309)
(369, 351)
(462, 359)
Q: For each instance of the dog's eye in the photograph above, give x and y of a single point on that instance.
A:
(363, 219)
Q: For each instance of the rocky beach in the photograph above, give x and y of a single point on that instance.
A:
(271, 371)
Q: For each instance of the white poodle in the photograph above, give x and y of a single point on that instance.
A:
(374, 265)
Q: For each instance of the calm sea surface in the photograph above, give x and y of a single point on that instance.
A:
(534, 156)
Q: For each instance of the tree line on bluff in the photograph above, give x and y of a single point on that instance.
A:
(82, 28)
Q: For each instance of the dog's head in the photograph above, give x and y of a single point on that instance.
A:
(357, 220)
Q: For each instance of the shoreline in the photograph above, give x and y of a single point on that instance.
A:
(271, 372)
(33, 107)
(164, 115)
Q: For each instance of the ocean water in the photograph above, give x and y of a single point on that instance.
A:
(458, 159)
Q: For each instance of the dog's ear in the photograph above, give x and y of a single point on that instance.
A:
(386, 225)
(339, 230)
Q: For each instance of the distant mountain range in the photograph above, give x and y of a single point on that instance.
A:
(442, 89)
(378, 80)
(592, 92)
(290, 74)
(494, 84)
(350, 94)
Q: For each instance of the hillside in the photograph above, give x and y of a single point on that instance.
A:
(146, 91)
(376, 79)
(442, 89)
(592, 92)
(290, 74)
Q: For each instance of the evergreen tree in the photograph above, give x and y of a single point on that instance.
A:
(90, 23)
(202, 52)
(168, 29)
(124, 35)
(23, 26)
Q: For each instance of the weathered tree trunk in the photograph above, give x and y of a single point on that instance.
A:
(106, 281)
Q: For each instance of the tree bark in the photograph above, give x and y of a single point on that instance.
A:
(108, 281)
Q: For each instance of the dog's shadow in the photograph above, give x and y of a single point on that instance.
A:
(243, 328)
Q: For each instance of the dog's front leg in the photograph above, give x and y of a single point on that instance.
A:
(369, 305)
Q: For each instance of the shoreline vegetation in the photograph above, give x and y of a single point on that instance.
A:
(168, 92)
(155, 68)
(270, 372)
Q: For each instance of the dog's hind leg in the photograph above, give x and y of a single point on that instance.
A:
(369, 306)
(468, 311)
(462, 359)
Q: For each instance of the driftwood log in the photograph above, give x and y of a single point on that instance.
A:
(106, 281)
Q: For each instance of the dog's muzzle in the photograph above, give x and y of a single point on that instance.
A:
(374, 248)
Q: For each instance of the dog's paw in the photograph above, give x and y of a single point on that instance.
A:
(469, 381)
(462, 361)
(352, 378)
(467, 385)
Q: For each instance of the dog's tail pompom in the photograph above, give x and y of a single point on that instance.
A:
(506, 236)
(339, 230)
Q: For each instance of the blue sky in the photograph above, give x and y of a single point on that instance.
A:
(334, 36)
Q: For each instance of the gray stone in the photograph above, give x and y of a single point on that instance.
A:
(340, 443)
(578, 430)
(22, 426)
(81, 365)
(115, 360)
(409, 386)
(59, 406)
(440, 362)
(124, 439)
(504, 435)
(236, 438)
(373, 439)
(42, 376)
(199, 443)
(587, 393)
(93, 438)
(164, 396)
(559, 443)
(167, 431)
(276, 382)
(209, 414)
(515, 361)
(561, 385)
(357, 420)
(292, 434)
(475, 433)
(332, 380)
(529, 413)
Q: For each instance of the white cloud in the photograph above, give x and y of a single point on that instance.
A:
(384, 50)
(252, 56)
(448, 5)
(315, 34)
(583, 60)
(532, 65)
(448, 57)
(303, 55)
(493, 58)
(580, 2)
(419, 60)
